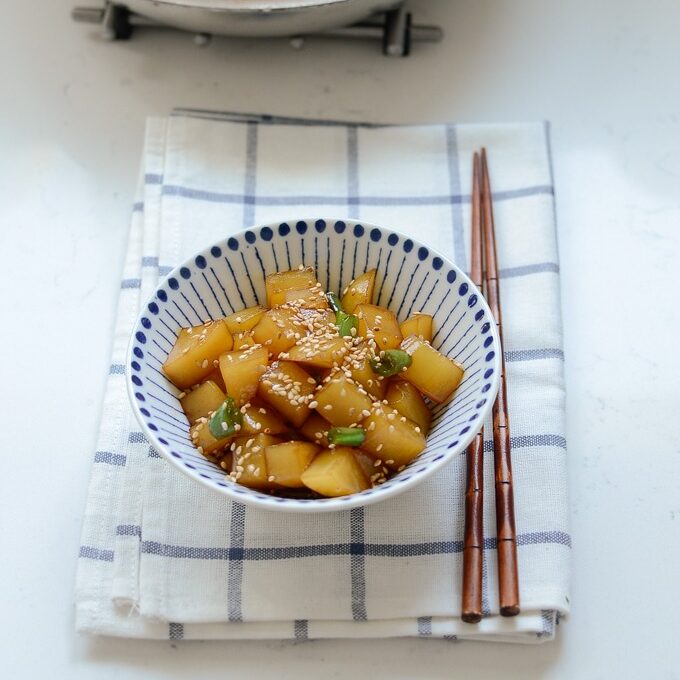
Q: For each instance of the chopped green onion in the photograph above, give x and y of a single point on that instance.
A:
(345, 323)
(334, 302)
(346, 436)
(391, 362)
(224, 420)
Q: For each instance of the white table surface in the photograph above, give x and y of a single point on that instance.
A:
(71, 127)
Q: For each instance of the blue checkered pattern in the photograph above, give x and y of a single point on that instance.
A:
(163, 558)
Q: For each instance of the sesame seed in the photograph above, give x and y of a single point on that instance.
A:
(181, 395)
(271, 478)
(328, 407)
(313, 404)
(379, 447)
(204, 364)
(377, 463)
(389, 462)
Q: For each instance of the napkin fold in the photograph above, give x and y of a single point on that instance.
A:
(162, 557)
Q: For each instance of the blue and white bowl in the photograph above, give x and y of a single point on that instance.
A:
(229, 276)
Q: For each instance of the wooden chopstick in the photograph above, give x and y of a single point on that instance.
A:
(473, 545)
(508, 580)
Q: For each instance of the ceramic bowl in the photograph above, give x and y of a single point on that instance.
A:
(229, 276)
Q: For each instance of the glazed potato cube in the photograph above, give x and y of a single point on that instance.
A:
(288, 388)
(262, 419)
(359, 292)
(367, 463)
(373, 383)
(241, 371)
(244, 340)
(342, 402)
(287, 461)
(391, 437)
(380, 324)
(222, 458)
(245, 320)
(419, 325)
(310, 298)
(203, 439)
(295, 279)
(205, 399)
(315, 428)
(318, 352)
(276, 330)
(335, 472)
(216, 376)
(435, 375)
(191, 358)
(249, 463)
(408, 401)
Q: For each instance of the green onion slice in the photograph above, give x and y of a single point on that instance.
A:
(345, 323)
(334, 302)
(391, 362)
(346, 436)
(224, 420)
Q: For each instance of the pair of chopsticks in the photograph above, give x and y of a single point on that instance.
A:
(484, 274)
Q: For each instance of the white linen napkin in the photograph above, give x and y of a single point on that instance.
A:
(162, 557)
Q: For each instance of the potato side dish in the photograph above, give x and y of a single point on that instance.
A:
(312, 395)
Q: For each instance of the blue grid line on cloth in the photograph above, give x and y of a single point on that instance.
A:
(301, 629)
(454, 189)
(110, 458)
(356, 547)
(453, 199)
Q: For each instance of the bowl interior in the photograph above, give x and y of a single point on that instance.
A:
(230, 276)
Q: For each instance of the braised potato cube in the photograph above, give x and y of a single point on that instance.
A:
(276, 330)
(202, 438)
(315, 428)
(295, 279)
(288, 388)
(359, 292)
(408, 401)
(318, 352)
(222, 458)
(205, 399)
(310, 298)
(435, 375)
(391, 437)
(374, 384)
(191, 358)
(245, 320)
(216, 376)
(342, 402)
(418, 324)
(380, 324)
(287, 461)
(244, 340)
(367, 463)
(241, 371)
(335, 472)
(250, 464)
(262, 419)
